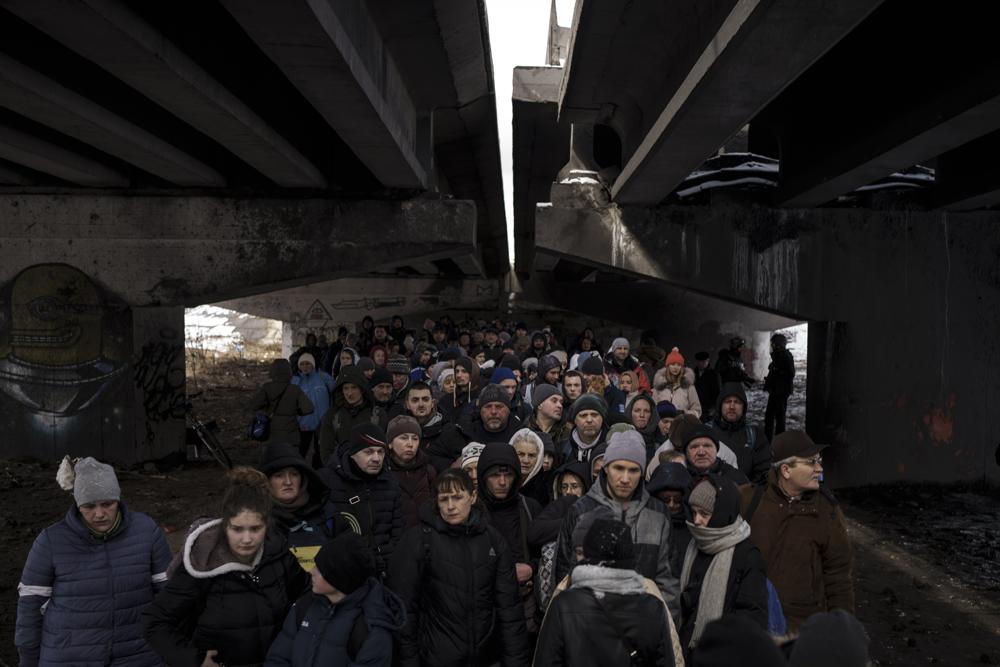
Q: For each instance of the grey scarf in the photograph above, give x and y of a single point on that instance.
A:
(604, 580)
(719, 543)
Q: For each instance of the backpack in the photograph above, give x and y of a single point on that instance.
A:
(359, 631)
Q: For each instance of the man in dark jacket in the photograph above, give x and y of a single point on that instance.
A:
(499, 475)
(364, 492)
(670, 483)
(606, 617)
(455, 405)
(299, 499)
(619, 488)
(778, 385)
(588, 415)
(748, 441)
(799, 528)
(701, 449)
(708, 384)
(353, 404)
(492, 422)
(410, 465)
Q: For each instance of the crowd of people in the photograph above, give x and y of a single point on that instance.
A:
(472, 495)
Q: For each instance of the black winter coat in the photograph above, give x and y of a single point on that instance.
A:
(462, 602)
(748, 442)
(415, 482)
(579, 631)
(371, 505)
(227, 607)
(447, 448)
(283, 401)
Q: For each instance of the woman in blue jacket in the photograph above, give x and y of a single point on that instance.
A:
(88, 577)
(318, 386)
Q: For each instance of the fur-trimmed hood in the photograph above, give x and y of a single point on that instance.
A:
(206, 553)
(660, 379)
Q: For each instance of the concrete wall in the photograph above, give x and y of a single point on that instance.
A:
(82, 373)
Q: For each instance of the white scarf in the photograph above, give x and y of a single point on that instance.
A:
(602, 580)
(719, 543)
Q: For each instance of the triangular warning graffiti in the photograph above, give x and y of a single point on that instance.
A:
(317, 311)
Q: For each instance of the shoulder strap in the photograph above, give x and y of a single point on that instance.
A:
(758, 493)
(751, 436)
(277, 401)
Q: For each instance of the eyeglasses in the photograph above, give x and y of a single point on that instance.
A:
(570, 487)
(813, 462)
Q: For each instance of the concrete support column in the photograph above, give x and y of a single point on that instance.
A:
(158, 374)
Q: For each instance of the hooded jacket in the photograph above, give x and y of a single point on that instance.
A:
(215, 602)
(806, 549)
(447, 448)
(511, 515)
(283, 401)
(92, 590)
(545, 527)
(646, 516)
(650, 433)
(453, 405)
(323, 637)
(335, 428)
(685, 397)
(463, 607)
(674, 476)
(748, 442)
(536, 485)
(584, 624)
(372, 505)
(317, 386)
(308, 527)
(746, 589)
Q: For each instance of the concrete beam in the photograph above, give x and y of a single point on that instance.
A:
(898, 110)
(333, 54)
(48, 158)
(760, 48)
(471, 264)
(113, 36)
(968, 177)
(541, 148)
(44, 101)
(10, 176)
(187, 251)
(346, 301)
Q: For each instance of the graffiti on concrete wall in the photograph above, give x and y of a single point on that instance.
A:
(64, 350)
(159, 375)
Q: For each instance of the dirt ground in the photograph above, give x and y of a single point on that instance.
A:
(927, 558)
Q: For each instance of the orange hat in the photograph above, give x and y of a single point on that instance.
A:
(675, 357)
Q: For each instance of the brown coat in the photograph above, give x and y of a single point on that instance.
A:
(805, 548)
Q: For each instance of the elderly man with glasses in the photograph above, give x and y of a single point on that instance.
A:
(799, 528)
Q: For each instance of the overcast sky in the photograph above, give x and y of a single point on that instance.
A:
(519, 30)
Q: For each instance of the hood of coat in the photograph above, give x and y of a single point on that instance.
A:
(731, 389)
(530, 437)
(347, 469)
(727, 500)
(498, 454)
(352, 375)
(206, 552)
(280, 371)
(654, 420)
(673, 476)
(545, 364)
(579, 468)
(660, 378)
(381, 607)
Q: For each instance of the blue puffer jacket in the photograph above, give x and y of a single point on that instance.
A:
(323, 637)
(92, 591)
(317, 386)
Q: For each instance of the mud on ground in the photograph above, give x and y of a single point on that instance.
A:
(927, 558)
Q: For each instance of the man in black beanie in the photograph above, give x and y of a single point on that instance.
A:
(609, 615)
(364, 492)
(348, 617)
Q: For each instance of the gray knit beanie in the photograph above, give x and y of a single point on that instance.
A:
(703, 497)
(542, 393)
(94, 482)
(626, 446)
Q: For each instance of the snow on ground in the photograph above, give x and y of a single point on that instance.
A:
(225, 331)
(795, 417)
